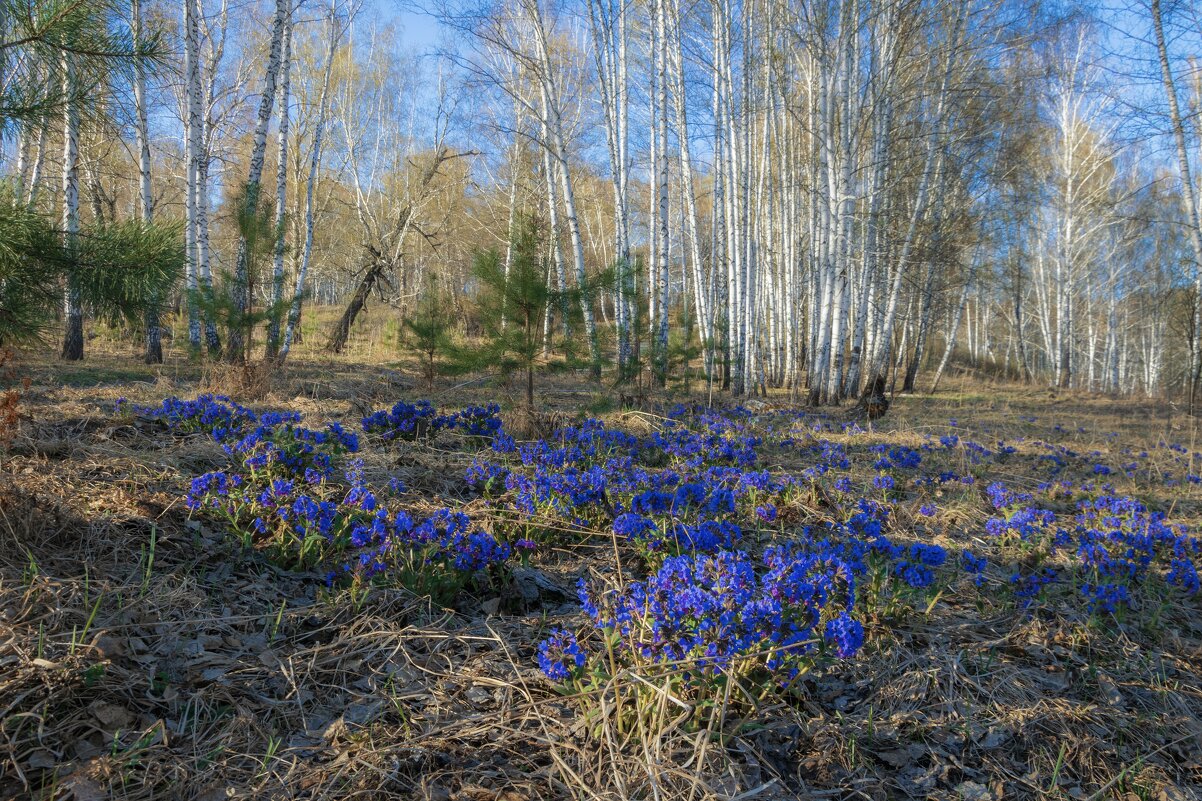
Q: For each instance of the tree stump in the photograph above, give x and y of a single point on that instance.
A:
(873, 404)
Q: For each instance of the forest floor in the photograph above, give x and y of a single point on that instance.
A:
(145, 654)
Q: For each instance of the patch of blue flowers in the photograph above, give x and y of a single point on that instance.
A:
(727, 612)
(754, 544)
(409, 421)
(356, 533)
(271, 443)
(283, 493)
(405, 421)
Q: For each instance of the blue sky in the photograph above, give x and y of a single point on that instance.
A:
(420, 31)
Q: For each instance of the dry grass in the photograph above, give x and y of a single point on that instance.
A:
(143, 656)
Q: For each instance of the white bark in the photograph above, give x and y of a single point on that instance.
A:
(154, 344)
(192, 140)
(281, 191)
(935, 141)
(558, 144)
(660, 178)
(1188, 190)
(298, 294)
(72, 310)
(235, 347)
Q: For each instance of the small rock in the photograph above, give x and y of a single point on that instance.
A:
(83, 787)
(111, 716)
(435, 792)
(41, 760)
(307, 744)
(992, 738)
(217, 794)
(898, 758)
(477, 695)
(213, 674)
(362, 714)
(1110, 691)
(916, 782)
(971, 791)
(533, 584)
(108, 647)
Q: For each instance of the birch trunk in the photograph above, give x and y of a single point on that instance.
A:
(660, 217)
(554, 119)
(72, 308)
(1191, 199)
(880, 357)
(154, 338)
(323, 103)
(954, 328)
(34, 184)
(281, 195)
(556, 262)
(237, 345)
(192, 140)
(608, 27)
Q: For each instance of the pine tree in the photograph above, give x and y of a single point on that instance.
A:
(683, 346)
(117, 270)
(55, 60)
(257, 229)
(428, 332)
(511, 309)
(34, 35)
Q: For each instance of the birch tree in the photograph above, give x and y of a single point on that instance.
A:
(72, 307)
(335, 27)
(154, 339)
(193, 189)
(281, 194)
(557, 144)
(240, 291)
(1189, 193)
(608, 25)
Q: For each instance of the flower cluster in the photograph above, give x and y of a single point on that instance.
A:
(271, 443)
(280, 445)
(283, 494)
(403, 421)
(760, 539)
(845, 634)
(436, 555)
(1120, 544)
(357, 533)
(473, 421)
(559, 655)
(410, 421)
(723, 612)
(208, 413)
(719, 610)
(974, 566)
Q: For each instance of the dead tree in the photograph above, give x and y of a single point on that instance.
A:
(367, 283)
(381, 262)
